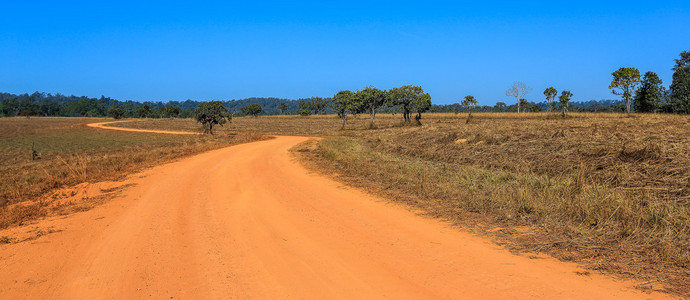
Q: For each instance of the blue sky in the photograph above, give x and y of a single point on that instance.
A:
(202, 50)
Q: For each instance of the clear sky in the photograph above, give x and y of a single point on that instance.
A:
(201, 50)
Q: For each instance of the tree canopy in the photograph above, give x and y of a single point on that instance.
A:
(680, 86)
(564, 99)
(371, 100)
(211, 113)
(624, 82)
(253, 109)
(409, 98)
(650, 95)
(344, 103)
(550, 94)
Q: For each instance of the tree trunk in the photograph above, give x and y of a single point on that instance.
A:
(344, 117)
(518, 103)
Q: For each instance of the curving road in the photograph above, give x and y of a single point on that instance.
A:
(249, 222)
(101, 125)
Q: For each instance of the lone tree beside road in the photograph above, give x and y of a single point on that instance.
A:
(253, 109)
(624, 82)
(211, 113)
(519, 90)
(469, 103)
(550, 94)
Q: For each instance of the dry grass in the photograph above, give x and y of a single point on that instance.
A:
(606, 190)
(71, 153)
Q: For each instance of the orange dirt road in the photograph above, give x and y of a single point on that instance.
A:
(101, 125)
(250, 222)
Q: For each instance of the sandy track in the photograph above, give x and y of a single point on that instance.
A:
(101, 125)
(249, 222)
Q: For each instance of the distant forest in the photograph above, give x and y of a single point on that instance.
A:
(45, 104)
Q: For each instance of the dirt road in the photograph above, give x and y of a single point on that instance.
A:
(249, 222)
(101, 125)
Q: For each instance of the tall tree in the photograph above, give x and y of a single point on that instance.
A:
(343, 103)
(624, 82)
(519, 90)
(680, 86)
(550, 94)
(372, 99)
(404, 96)
(469, 103)
(649, 96)
(564, 99)
(211, 113)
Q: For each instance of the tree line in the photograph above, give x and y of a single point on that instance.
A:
(410, 100)
(639, 94)
(46, 104)
(646, 93)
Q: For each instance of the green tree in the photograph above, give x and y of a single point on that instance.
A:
(317, 105)
(211, 113)
(680, 86)
(116, 112)
(533, 107)
(469, 102)
(143, 111)
(564, 99)
(344, 102)
(403, 97)
(550, 93)
(421, 104)
(282, 107)
(500, 106)
(649, 96)
(519, 90)
(624, 82)
(304, 109)
(10, 107)
(173, 111)
(253, 109)
(372, 100)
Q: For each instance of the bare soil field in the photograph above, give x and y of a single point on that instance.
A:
(69, 154)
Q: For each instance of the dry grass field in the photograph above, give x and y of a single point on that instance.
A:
(605, 190)
(69, 153)
(609, 191)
